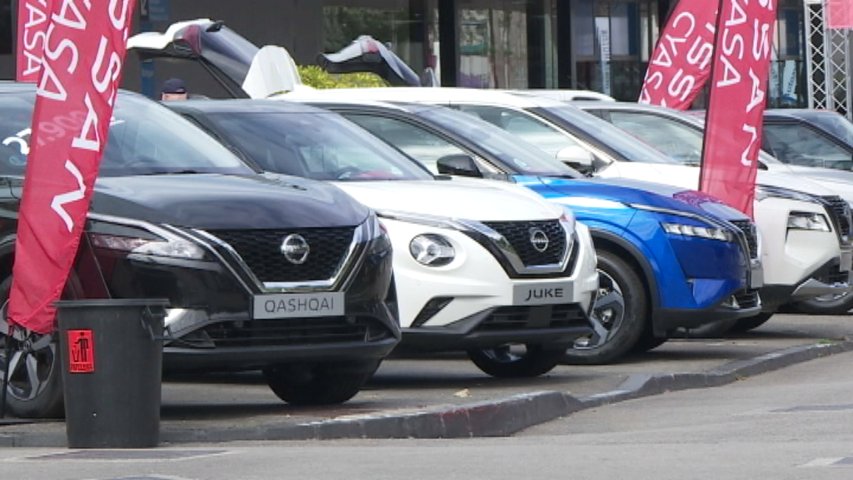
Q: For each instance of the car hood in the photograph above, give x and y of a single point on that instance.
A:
(472, 200)
(637, 192)
(688, 177)
(215, 201)
(839, 182)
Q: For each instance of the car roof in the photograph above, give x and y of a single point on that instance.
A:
(637, 107)
(430, 95)
(242, 105)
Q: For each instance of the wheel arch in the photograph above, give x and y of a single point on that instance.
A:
(615, 244)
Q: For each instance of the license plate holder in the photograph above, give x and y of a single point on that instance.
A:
(543, 293)
(298, 305)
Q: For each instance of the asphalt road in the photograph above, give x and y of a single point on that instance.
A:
(793, 423)
(450, 397)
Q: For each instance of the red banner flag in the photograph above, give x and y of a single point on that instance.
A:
(736, 105)
(681, 62)
(839, 14)
(84, 48)
(32, 30)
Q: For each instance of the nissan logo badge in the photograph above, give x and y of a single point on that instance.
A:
(295, 249)
(539, 240)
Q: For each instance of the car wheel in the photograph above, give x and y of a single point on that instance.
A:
(618, 315)
(319, 384)
(827, 305)
(35, 377)
(517, 361)
(747, 324)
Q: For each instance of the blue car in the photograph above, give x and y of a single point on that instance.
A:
(668, 259)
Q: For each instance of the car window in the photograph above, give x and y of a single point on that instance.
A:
(145, 138)
(420, 144)
(513, 153)
(677, 140)
(318, 145)
(799, 144)
(522, 125)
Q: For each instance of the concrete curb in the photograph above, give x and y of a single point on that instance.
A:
(482, 419)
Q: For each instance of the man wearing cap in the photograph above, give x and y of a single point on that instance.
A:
(173, 89)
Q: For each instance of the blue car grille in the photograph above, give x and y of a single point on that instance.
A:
(747, 228)
(261, 251)
(518, 235)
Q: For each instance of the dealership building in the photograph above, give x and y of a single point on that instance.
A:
(602, 45)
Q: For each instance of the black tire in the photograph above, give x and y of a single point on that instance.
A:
(31, 392)
(747, 324)
(648, 341)
(319, 384)
(829, 305)
(508, 362)
(620, 314)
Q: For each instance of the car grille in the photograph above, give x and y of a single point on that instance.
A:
(839, 209)
(749, 232)
(534, 317)
(748, 299)
(294, 331)
(261, 251)
(518, 235)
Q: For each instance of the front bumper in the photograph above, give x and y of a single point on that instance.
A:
(829, 279)
(556, 325)
(475, 281)
(743, 304)
(210, 324)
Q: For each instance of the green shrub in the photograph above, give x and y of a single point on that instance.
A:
(316, 77)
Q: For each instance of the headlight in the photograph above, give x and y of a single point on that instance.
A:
(174, 248)
(432, 250)
(808, 221)
(711, 233)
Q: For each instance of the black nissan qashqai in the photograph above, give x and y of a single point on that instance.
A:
(262, 271)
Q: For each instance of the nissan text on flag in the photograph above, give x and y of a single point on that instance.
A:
(491, 269)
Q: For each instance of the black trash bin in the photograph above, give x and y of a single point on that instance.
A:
(112, 357)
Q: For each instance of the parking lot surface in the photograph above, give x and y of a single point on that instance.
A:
(447, 396)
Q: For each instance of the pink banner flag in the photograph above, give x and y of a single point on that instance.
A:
(681, 62)
(736, 105)
(32, 30)
(839, 14)
(84, 48)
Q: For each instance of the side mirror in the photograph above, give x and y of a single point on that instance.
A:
(577, 157)
(462, 165)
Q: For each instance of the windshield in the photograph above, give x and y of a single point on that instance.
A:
(679, 141)
(604, 134)
(517, 154)
(318, 145)
(837, 125)
(145, 139)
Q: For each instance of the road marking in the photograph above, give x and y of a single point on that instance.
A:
(823, 462)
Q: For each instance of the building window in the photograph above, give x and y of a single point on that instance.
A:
(6, 27)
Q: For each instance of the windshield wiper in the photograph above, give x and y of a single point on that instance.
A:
(187, 171)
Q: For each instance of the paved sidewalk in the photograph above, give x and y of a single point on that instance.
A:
(449, 397)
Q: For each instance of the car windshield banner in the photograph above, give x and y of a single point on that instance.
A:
(84, 48)
(736, 103)
(681, 62)
(32, 30)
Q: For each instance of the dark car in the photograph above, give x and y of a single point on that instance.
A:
(175, 215)
(813, 138)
